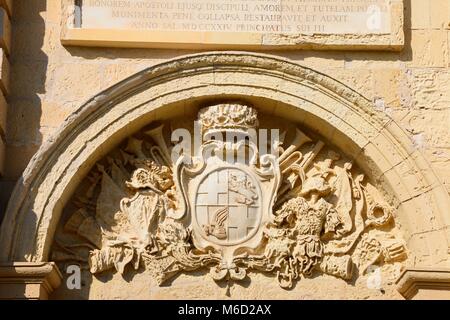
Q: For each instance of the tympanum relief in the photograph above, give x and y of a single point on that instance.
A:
(291, 208)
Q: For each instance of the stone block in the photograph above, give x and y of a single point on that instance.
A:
(5, 31)
(420, 14)
(2, 156)
(429, 48)
(386, 84)
(17, 160)
(425, 284)
(7, 4)
(28, 280)
(4, 73)
(440, 13)
(3, 114)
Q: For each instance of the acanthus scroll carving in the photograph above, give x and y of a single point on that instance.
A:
(299, 210)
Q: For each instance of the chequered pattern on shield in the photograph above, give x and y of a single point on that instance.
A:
(214, 194)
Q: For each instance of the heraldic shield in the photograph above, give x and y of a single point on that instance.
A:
(224, 183)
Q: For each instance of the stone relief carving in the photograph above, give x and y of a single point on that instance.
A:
(302, 210)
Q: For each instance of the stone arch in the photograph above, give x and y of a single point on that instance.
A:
(342, 116)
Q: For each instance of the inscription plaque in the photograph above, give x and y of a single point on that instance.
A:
(318, 24)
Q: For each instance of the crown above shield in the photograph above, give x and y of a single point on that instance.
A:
(223, 117)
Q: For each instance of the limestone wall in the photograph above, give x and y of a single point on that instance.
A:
(49, 81)
(5, 49)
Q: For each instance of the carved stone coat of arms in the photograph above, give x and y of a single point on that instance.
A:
(290, 207)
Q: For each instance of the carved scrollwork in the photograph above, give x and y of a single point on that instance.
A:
(300, 211)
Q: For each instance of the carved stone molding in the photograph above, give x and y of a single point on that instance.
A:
(424, 283)
(27, 280)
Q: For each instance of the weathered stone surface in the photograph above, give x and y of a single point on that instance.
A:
(418, 284)
(398, 136)
(3, 115)
(28, 281)
(2, 156)
(5, 31)
(7, 4)
(4, 73)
